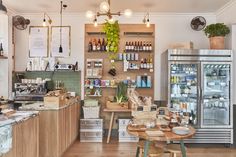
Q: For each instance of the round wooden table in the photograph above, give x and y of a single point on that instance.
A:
(168, 136)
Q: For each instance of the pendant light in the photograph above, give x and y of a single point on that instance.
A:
(63, 6)
(3, 9)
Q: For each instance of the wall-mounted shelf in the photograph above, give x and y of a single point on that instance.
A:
(139, 33)
(3, 57)
(96, 33)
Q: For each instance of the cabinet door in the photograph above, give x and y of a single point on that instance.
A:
(216, 95)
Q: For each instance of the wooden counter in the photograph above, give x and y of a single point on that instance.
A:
(25, 138)
(58, 129)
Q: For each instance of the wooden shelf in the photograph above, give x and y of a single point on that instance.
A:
(95, 96)
(139, 33)
(101, 86)
(3, 57)
(96, 33)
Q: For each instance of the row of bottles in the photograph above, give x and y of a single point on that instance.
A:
(1, 50)
(146, 63)
(96, 64)
(138, 46)
(128, 56)
(97, 45)
(187, 69)
(143, 81)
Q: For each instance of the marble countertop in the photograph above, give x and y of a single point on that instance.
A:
(39, 106)
(16, 117)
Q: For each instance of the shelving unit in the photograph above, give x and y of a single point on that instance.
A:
(128, 32)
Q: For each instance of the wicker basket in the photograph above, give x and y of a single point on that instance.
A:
(91, 112)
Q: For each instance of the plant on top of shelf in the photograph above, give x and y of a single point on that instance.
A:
(112, 31)
(121, 93)
(121, 99)
(216, 33)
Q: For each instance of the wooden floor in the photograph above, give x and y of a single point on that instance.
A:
(115, 149)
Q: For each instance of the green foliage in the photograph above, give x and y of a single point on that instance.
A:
(121, 92)
(218, 29)
(112, 31)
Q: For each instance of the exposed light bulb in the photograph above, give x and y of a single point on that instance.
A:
(95, 22)
(104, 7)
(89, 14)
(111, 20)
(128, 13)
(44, 23)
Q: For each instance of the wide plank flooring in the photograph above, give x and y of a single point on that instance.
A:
(115, 149)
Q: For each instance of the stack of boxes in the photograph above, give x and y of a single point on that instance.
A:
(91, 127)
(124, 136)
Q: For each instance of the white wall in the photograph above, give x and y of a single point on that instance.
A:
(4, 62)
(227, 15)
(169, 28)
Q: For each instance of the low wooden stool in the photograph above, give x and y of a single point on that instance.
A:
(173, 149)
(153, 151)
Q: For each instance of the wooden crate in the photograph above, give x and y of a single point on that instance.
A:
(55, 101)
(115, 105)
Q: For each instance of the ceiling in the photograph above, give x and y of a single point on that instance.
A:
(176, 6)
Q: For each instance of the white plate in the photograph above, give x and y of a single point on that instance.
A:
(181, 130)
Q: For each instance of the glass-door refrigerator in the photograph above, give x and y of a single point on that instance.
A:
(199, 85)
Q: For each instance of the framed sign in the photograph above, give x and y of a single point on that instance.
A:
(60, 36)
(38, 41)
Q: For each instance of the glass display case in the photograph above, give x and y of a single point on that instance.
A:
(183, 89)
(216, 94)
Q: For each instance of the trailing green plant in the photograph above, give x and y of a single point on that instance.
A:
(121, 92)
(112, 31)
(218, 29)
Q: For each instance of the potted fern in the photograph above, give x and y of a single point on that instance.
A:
(120, 101)
(216, 34)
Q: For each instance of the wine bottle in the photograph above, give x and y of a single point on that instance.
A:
(103, 46)
(144, 46)
(141, 46)
(126, 47)
(135, 46)
(141, 65)
(90, 46)
(151, 64)
(94, 45)
(148, 63)
(150, 46)
(132, 46)
(145, 63)
(138, 47)
(99, 45)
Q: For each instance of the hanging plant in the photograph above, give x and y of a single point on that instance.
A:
(112, 31)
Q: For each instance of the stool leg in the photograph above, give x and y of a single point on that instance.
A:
(137, 152)
(183, 148)
(146, 148)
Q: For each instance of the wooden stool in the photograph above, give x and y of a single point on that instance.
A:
(152, 152)
(173, 149)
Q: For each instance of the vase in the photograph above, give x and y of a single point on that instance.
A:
(217, 42)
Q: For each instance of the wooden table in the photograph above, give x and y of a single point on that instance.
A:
(113, 111)
(168, 136)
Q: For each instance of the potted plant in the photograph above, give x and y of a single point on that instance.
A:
(120, 101)
(112, 31)
(216, 34)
